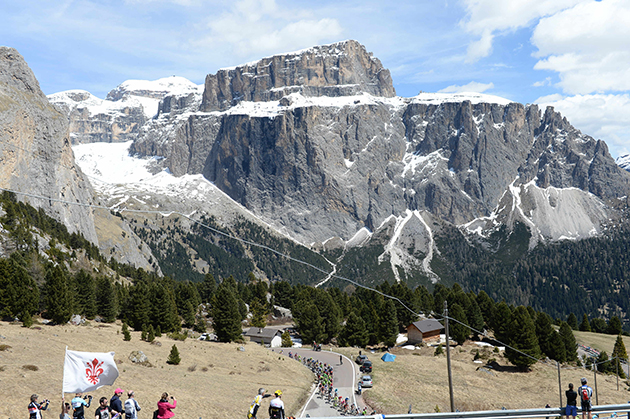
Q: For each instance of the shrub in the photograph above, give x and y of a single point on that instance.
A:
(30, 367)
(173, 357)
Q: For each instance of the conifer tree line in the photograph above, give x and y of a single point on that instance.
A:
(354, 317)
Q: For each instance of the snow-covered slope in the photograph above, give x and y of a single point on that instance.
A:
(120, 116)
(127, 182)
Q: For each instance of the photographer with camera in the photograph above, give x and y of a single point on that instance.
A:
(35, 409)
(78, 404)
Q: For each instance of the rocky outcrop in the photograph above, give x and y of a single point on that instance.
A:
(340, 69)
(95, 120)
(36, 159)
(122, 114)
(324, 171)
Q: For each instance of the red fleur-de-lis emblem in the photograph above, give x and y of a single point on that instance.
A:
(93, 370)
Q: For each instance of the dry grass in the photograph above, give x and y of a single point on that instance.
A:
(422, 381)
(224, 388)
(600, 341)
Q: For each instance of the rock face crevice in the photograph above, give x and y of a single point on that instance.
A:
(35, 153)
(340, 69)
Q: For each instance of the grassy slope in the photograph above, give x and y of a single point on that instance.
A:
(600, 341)
(225, 389)
(420, 379)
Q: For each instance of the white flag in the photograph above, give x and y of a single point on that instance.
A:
(88, 371)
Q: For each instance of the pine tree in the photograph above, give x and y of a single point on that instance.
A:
(474, 316)
(58, 297)
(259, 314)
(459, 332)
(188, 314)
(126, 332)
(544, 333)
(286, 340)
(106, 300)
(557, 351)
(585, 326)
(354, 332)
(614, 326)
(173, 357)
(523, 338)
(330, 313)
(139, 306)
(620, 349)
(568, 339)
(486, 305)
(619, 353)
(85, 294)
(501, 321)
(207, 288)
(572, 321)
(308, 321)
(143, 335)
(19, 295)
(226, 318)
(150, 333)
(389, 325)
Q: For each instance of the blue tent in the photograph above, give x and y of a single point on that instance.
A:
(387, 357)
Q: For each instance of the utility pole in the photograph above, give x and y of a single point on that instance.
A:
(448, 357)
(559, 383)
(595, 380)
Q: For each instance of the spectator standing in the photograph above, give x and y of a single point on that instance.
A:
(131, 406)
(571, 409)
(35, 409)
(585, 393)
(104, 411)
(276, 407)
(115, 403)
(65, 409)
(78, 405)
(253, 409)
(165, 408)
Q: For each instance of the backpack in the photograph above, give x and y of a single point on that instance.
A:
(584, 393)
(130, 408)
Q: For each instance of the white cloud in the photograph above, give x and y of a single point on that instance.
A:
(473, 86)
(486, 18)
(546, 82)
(261, 27)
(587, 46)
(604, 117)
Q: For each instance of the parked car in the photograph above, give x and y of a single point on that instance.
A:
(366, 381)
(366, 366)
(361, 359)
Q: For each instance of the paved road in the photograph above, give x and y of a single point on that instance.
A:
(345, 380)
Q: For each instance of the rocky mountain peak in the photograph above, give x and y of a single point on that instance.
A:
(35, 153)
(15, 72)
(339, 69)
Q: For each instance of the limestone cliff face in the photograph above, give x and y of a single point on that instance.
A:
(328, 171)
(35, 153)
(95, 120)
(339, 69)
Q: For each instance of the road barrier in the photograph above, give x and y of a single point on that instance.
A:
(615, 409)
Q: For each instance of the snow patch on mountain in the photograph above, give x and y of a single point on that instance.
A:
(128, 182)
(550, 213)
(410, 231)
(623, 162)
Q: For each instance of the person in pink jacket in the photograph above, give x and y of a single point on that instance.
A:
(165, 408)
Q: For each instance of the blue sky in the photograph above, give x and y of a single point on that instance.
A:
(572, 54)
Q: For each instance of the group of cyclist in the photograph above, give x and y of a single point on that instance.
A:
(325, 386)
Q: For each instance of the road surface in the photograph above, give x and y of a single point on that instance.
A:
(345, 381)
